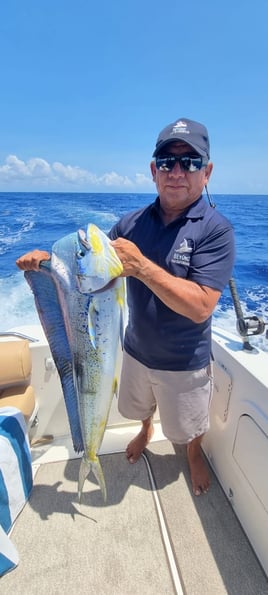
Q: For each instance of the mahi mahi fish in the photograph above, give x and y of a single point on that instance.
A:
(80, 299)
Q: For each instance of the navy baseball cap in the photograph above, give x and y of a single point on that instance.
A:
(188, 131)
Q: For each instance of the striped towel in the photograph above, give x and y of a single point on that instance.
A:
(16, 479)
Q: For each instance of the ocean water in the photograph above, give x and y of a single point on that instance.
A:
(37, 220)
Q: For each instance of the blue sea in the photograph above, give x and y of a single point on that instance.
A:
(37, 220)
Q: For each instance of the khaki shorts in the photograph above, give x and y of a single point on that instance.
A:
(183, 398)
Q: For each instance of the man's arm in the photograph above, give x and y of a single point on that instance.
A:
(185, 297)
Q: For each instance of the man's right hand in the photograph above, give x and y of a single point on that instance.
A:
(31, 260)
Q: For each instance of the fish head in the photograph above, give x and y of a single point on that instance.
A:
(97, 261)
(63, 261)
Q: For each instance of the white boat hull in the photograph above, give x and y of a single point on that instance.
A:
(236, 444)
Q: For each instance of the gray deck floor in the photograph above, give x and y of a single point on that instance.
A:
(213, 553)
(116, 547)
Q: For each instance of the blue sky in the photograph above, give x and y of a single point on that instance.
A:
(87, 86)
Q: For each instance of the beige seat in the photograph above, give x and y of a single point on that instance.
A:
(15, 375)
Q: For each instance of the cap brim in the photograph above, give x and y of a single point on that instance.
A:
(163, 144)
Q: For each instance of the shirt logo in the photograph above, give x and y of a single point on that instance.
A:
(182, 255)
(185, 247)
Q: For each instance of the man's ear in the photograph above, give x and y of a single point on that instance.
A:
(208, 170)
(153, 169)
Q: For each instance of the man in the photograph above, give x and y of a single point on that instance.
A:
(177, 255)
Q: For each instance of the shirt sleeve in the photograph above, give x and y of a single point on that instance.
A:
(213, 258)
(113, 234)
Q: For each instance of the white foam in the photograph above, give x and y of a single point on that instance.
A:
(17, 304)
(12, 237)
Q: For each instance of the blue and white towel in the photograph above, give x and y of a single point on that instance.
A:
(9, 557)
(16, 479)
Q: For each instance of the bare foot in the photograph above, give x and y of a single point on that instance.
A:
(139, 443)
(198, 468)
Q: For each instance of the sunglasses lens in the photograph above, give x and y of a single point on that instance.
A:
(191, 164)
(187, 163)
(165, 163)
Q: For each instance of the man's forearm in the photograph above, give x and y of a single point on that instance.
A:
(185, 297)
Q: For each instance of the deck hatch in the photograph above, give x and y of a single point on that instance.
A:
(251, 454)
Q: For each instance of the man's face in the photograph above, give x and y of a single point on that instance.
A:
(178, 188)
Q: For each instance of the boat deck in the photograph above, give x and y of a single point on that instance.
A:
(152, 536)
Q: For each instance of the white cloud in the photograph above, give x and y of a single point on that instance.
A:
(38, 168)
(38, 173)
(114, 179)
(143, 180)
(14, 168)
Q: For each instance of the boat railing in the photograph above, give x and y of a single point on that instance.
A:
(19, 335)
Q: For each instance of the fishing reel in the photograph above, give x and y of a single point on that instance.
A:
(248, 326)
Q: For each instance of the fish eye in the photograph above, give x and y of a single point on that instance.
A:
(80, 254)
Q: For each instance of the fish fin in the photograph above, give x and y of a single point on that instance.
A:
(50, 313)
(91, 324)
(120, 290)
(86, 466)
(121, 329)
(115, 387)
(97, 470)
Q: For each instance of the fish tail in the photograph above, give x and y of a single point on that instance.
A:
(85, 467)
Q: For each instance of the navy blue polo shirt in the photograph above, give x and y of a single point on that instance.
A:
(199, 246)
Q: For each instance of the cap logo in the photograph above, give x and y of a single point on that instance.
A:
(180, 128)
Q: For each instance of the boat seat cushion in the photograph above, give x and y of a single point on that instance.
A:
(15, 363)
(15, 374)
(21, 397)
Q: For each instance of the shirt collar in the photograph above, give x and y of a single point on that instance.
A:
(195, 211)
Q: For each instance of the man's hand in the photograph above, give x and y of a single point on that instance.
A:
(31, 260)
(131, 257)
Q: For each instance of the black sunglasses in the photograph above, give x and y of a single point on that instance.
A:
(187, 162)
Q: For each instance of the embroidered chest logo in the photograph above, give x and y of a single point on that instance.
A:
(182, 255)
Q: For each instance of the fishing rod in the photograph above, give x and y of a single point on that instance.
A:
(247, 326)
